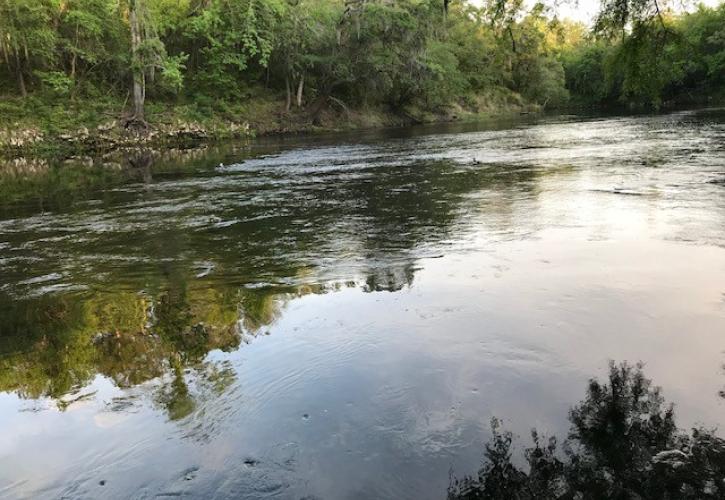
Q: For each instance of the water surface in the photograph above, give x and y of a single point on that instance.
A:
(339, 318)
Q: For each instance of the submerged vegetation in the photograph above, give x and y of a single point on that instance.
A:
(623, 444)
(232, 67)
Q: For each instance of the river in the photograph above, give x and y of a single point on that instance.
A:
(339, 317)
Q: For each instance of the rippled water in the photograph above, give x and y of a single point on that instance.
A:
(341, 317)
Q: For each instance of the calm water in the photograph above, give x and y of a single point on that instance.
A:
(339, 318)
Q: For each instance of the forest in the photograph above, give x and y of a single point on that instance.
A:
(66, 63)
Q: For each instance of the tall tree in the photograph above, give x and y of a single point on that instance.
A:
(140, 30)
(148, 55)
(27, 37)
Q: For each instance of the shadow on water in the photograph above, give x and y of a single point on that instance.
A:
(623, 443)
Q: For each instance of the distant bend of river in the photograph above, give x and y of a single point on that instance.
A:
(340, 317)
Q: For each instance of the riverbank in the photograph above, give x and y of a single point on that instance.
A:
(40, 128)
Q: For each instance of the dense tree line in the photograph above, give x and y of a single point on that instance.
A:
(641, 54)
(345, 54)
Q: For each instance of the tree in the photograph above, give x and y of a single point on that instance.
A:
(27, 37)
(290, 55)
(148, 54)
(586, 73)
(537, 74)
(616, 16)
(646, 63)
(85, 29)
(230, 37)
(143, 54)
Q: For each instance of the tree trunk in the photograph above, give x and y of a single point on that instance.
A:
(300, 88)
(74, 58)
(139, 95)
(288, 104)
(316, 107)
(21, 78)
(139, 79)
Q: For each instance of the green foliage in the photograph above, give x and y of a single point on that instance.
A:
(445, 80)
(227, 37)
(383, 46)
(481, 62)
(348, 53)
(27, 37)
(395, 54)
(647, 63)
(27, 29)
(90, 33)
(172, 70)
(536, 72)
(648, 58)
(586, 75)
(58, 81)
(703, 33)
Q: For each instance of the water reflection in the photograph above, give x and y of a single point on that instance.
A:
(145, 282)
(55, 344)
(623, 443)
(411, 288)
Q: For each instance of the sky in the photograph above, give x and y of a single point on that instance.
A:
(585, 10)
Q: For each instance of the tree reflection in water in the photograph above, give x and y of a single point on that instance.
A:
(54, 345)
(623, 444)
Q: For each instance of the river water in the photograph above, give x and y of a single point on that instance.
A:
(340, 317)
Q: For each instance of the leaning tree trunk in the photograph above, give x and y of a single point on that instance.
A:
(139, 79)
